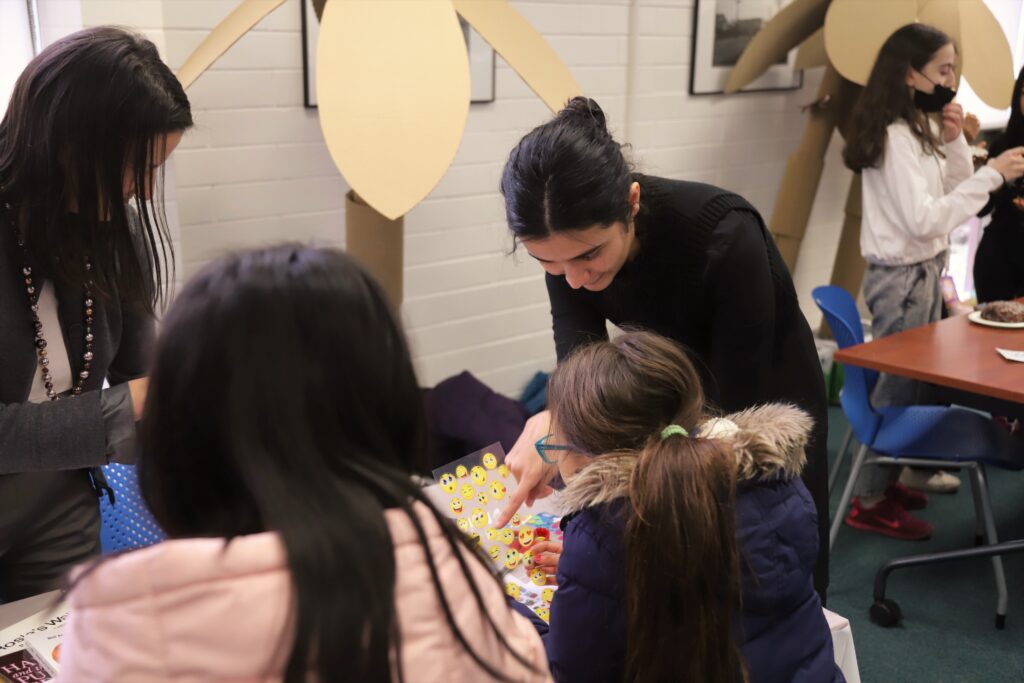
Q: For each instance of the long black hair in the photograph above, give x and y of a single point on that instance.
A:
(1013, 136)
(283, 398)
(87, 115)
(885, 98)
(567, 174)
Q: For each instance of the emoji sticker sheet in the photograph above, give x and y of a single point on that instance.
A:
(474, 491)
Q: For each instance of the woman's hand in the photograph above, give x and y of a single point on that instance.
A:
(952, 121)
(531, 473)
(137, 388)
(1010, 163)
(546, 555)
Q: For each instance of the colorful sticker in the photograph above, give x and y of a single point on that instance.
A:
(447, 482)
(461, 472)
(456, 506)
(511, 558)
(467, 492)
(463, 524)
(489, 460)
(526, 536)
(503, 471)
(482, 499)
(498, 490)
(478, 475)
(538, 576)
(512, 590)
(547, 595)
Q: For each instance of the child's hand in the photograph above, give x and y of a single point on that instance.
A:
(546, 555)
(1019, 203)
(952, 121)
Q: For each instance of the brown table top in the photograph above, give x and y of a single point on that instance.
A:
(953, 352)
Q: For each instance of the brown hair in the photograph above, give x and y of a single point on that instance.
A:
(682, 567)
(885, 98)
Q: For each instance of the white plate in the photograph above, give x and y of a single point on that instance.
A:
(975, 317)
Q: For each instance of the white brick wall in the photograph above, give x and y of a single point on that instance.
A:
(255, 170)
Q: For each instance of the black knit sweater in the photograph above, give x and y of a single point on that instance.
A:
(708, 274)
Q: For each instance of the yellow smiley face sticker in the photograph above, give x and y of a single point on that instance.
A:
(497, 490)
(544, 613)
(503, 471)
(478, 475)
(478, 518)
(489, 461)
(494, 551)
(482, 499)
(547, 595)
(507, 536)
(456, 506)
(512, 590)
(516, 520)
(511, 558)
(538, 577)
(492, 533)
(462, 524)
(467, 492)
(526, 536)
(475, 537)
(447, 482)
(528, 559)
(461, 472)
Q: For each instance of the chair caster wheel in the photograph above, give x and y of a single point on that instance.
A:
(886, 613)
(1000, 621)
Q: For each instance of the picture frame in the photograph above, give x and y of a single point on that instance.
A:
(480, 53)
(722, 29)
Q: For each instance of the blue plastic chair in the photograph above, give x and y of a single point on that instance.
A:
(920, 435)
(127, 523)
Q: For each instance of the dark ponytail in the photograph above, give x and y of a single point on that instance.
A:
(567, 174)
(682, 568)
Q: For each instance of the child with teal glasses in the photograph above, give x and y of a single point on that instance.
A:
(689, 541)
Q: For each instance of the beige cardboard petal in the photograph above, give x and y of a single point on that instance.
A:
(856, 29)
(523, 48)
(393, 88)
(791, 26)
(227, 32)
(378, 242)
(987, 59)
(812, 52)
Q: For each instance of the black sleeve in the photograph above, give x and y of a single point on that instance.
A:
(740, 295)
(574, 320)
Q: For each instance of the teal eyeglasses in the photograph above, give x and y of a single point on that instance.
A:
(543, 447)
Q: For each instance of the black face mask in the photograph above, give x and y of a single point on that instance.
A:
(933, 102)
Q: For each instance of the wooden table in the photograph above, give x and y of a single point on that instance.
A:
(953, 353)
(959, 355)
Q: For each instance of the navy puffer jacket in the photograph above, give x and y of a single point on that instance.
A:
(781, 631)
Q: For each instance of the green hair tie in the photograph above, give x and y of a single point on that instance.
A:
(671, 430)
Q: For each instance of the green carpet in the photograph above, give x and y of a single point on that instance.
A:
(948, 633)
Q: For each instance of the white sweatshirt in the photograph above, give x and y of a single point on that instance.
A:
(912, 200)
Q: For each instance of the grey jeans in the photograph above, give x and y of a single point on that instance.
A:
(899, 298)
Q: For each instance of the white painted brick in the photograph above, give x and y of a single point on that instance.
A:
(255, 170)
(236, 89)
(421, 311)
(573, 19)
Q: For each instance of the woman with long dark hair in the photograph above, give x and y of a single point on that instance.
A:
(690, 261)
(84, 262)
(283, 426)
(999, 261)
(906, 140)
(690, 540)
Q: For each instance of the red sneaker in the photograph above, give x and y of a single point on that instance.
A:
(908, 498)
(889, 519)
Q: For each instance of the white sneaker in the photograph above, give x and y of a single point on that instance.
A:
(931, 481)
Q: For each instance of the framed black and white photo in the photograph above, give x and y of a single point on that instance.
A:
(481, 58)
(722, 29)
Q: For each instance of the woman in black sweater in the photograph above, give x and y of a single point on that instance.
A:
(999, 263)
(690, 261)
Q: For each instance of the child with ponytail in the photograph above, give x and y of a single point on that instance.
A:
(689, 541)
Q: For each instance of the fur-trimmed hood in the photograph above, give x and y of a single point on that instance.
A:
(768, 442)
